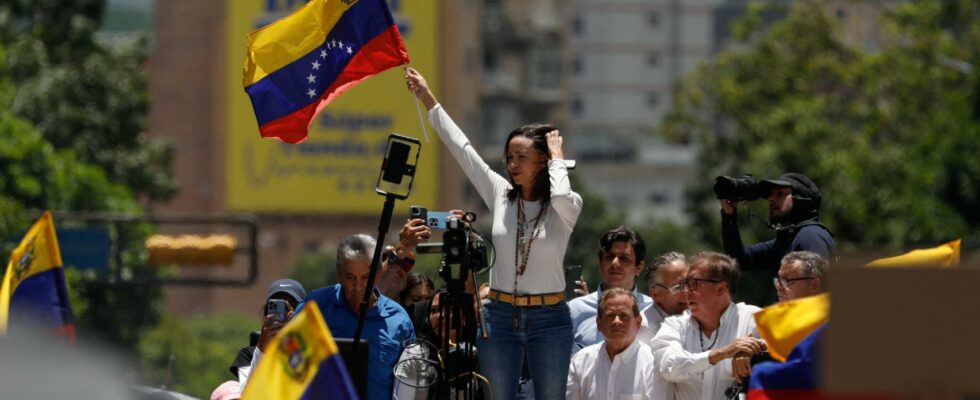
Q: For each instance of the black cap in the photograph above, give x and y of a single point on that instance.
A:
(288, 286)
(802, 187)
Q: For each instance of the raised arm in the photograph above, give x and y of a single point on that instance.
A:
(486, 181)
(566, 203)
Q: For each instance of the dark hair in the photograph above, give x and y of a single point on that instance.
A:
(542, 182)
(606, 294)
(623, 234)
(416, 280)
(664, 259)
(718, 266)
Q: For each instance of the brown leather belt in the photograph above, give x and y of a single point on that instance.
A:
(530, 300)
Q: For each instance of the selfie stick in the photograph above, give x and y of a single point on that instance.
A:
(394, 169)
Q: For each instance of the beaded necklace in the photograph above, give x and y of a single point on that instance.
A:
(523, 252)
(713, 341)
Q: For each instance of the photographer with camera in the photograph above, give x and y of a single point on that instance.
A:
(794, 203)
(533, 214)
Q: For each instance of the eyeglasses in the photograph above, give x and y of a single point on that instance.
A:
(693, 283)
(673, 289)
(783, 282)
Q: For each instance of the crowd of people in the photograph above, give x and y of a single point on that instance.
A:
(677, 335)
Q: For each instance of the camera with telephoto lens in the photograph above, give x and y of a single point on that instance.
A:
(744, 188)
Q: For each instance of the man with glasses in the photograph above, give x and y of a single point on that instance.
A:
(800, 275)
(663, 285)
(704, 351)
(621, 254)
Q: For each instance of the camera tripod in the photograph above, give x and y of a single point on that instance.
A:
(457, 330)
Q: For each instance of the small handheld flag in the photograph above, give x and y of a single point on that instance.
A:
(33, 289)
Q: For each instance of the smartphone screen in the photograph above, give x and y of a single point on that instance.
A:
(572, 274)
(396, 162)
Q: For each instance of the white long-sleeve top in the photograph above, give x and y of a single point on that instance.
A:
(631, 374)
(680, 358)
(544, 273)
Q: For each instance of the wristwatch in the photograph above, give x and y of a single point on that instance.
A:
(406, 263)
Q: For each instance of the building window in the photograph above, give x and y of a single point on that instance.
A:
(658, 198)
(545, 68)
(653, 19)
(577, 106)
(577, 66)
(653, 99)
(578, 25)
(653, 59)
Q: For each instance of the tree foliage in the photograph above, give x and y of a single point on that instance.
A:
(202, 349)
(83, 95)
(72, 115)
(889, 134)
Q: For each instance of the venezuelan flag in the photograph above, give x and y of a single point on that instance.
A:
(302, 361)
(784, 325)
(299, 64)
(33, 289)
(794, 379)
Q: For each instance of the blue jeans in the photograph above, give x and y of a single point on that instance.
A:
(543, 334)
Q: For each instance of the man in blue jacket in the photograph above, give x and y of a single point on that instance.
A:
(794, 203)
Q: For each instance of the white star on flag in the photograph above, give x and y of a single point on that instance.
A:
(323, 53)
(333, 43)
(341, 43)
(311, 79)
(349, 50)
(310, 93)
(316, 65)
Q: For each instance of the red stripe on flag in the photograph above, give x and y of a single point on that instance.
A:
(383, 52)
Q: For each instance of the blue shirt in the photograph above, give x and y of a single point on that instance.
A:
(386, 327)
(584, 309)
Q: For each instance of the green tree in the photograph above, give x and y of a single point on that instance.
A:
(84, 95)
(880, 131)
(195, 353)
(75, 120)
(888, 134)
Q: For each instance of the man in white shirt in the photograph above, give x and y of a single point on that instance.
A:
(621, 254)
(800, 275)
(705, 350)
(663, 285)
(619, 367)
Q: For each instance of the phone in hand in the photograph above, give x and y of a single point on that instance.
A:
(277, 308)
(572, 275)
(433, 219)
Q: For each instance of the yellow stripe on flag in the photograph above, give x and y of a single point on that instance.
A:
(292, 359)
(36, 253)
(784, 325)
(282, 42)
(944, 256)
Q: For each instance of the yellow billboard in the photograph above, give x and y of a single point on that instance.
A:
(335, 170)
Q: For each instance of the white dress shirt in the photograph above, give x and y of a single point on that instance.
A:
(583, 311)
(630, 375)
(682, 360)
(545, 272)
(653, 316)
